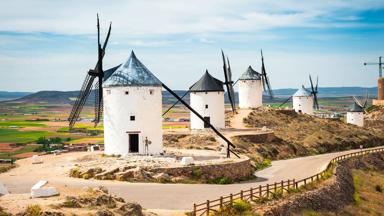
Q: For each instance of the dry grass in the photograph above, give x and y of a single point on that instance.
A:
(299, 135)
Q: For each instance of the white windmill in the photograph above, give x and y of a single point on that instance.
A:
(207, 98)
(355, 115)
(304, 100)
(132, 110)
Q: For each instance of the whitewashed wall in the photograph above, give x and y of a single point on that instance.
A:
(215, 110)
(355, 118)
(305, 104)
(147, 109)
(250, 94)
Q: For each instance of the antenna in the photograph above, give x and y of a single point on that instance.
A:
(380, 63)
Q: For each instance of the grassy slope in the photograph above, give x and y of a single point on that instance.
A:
(297, 135)
(368, 200)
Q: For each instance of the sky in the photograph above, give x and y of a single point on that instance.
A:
(51, 44)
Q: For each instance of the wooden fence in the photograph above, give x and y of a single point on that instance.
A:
(271, 191)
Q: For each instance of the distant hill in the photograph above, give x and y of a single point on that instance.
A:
(68, 97)
(6, 95)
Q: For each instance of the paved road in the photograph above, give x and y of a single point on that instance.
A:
(152, 195)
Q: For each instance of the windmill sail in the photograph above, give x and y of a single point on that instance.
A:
(314, 92)
(264, 78)
(86, 88)
(228, 81)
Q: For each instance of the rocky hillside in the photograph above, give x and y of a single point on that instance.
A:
(299, 135)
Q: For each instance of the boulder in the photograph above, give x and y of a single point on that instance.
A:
(104, 212)
(185, 161)
(162, 177)
(3, 189)
(131, 209)
(38, 190)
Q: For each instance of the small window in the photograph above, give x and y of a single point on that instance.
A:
(132, 118)
(151, 91)
(206, 92)
(206, 106)
(127, 92)
(108, 92)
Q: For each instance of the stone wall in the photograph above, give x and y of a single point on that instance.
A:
(223, 173)
(235, 171)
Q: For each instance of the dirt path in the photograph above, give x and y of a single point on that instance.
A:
(152, 195)
(237, 119)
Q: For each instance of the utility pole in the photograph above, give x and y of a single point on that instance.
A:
(380, 63)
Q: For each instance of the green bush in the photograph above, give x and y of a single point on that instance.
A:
(278, 194)
(241, 206)
(197, 172)
(264, 164)
(223, 180)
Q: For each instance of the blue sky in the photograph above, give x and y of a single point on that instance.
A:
(49, 45)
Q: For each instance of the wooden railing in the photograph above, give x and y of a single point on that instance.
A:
(270, 191)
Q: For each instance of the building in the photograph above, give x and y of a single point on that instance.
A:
(207, 98)
(303, 101)
(250, 89)
(380, 92)
(355, 115)
(132, 98)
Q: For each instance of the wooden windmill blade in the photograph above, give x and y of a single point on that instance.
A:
(86, 88)
(228, 82)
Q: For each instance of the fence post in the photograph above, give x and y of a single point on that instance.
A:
(221, 202)
(267, 190)
(208, 208)
(260, 192)
(231, 199)
(275, 187)
(305, 182)
(289, 182)
(241, 194)
(194, 209)
(317, 177)
(294, 184)
(251, 193)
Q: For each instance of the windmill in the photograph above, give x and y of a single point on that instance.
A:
(304, 93)
(264, 78)
(358, 102)
(228, 81)
(88, 84)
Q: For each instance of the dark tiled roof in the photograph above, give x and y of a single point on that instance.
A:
(207, 83)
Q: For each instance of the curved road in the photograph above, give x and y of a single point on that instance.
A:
(158, 196)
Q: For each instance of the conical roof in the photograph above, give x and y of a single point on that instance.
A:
(356, 108)
(109, 72)
(132, 73)
(250, 74)
(207, 83)
(302, 92)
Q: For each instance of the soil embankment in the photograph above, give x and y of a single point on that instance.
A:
(299, 135)
(333, 195)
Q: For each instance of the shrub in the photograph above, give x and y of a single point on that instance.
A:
(74, 172)
(278, 194)
(223, 180)
(71, 202)
(241, 206)
(197, 172)
(33, 210)
(85, 176)
(264, 164)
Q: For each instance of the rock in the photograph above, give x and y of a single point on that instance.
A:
(104, 212)
(125, 175)
(3, 189)
(141, 175)
(162, 177)
(47, 213)
(131, 209)
(38, 190)
(179, 179)
(105, 200)
(101, 189)
(185, 161)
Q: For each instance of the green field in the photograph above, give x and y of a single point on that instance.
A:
(21, 124)
(27, 148)
(15, 136)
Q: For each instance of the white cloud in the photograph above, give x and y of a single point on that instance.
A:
(173, 16)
